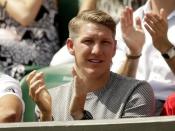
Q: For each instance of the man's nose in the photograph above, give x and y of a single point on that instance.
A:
(96, 49)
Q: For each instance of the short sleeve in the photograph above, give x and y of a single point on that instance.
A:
(9, 85)
(141, 102)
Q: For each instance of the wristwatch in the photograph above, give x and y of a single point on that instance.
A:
(169, 53)
(87, 115)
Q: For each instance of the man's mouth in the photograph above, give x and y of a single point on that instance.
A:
(95, 61)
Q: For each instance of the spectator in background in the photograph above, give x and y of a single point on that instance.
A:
(169, 106)
(12, 105)
(112, 7)
(95, 92)
(148, 51)
(133, 3)
(28, 34)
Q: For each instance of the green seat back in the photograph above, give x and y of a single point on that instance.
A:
(54, 76)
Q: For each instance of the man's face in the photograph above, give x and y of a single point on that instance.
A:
(93, 49)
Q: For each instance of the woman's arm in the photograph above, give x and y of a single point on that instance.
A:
(88, 5)
(23, 11)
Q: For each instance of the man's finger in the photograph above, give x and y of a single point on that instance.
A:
(163, 14)
(38, 92)
(37, 76)
(34, 86)
(30, 76)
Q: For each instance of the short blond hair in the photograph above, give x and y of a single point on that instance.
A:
(91, 16)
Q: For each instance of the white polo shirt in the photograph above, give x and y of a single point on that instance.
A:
(152, 67)
(8, 85)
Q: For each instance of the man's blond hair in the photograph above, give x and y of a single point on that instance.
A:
(91, 16)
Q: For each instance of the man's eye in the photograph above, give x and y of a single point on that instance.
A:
(87, 41)
(106, 42)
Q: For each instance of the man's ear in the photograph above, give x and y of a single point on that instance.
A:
(70, 45)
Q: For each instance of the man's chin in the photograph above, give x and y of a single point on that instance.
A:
(93, 72)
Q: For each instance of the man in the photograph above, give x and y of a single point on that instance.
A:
(149, 48)
(112, 7)
(95, 92)
(12, 105)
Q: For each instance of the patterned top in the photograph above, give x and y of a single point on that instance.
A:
(122, 97)
(114, 7)
(36, 44)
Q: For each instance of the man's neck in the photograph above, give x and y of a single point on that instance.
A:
(96, 83)
(168, 5)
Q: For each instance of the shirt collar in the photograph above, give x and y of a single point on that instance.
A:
(147, 7)
(171, 15)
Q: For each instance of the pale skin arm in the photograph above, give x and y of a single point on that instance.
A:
(23, 11)
(78, 98)
(158, 27)
(88, 5)
(129, 68)
(8, 34)
(134, 38)
(40, 95)
(10, 109)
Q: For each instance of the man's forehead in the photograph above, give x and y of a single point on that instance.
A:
(94, 28)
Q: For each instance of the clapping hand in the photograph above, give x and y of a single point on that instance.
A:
(39, 94)
(157, 26)
(133, 36)
(78, 97)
